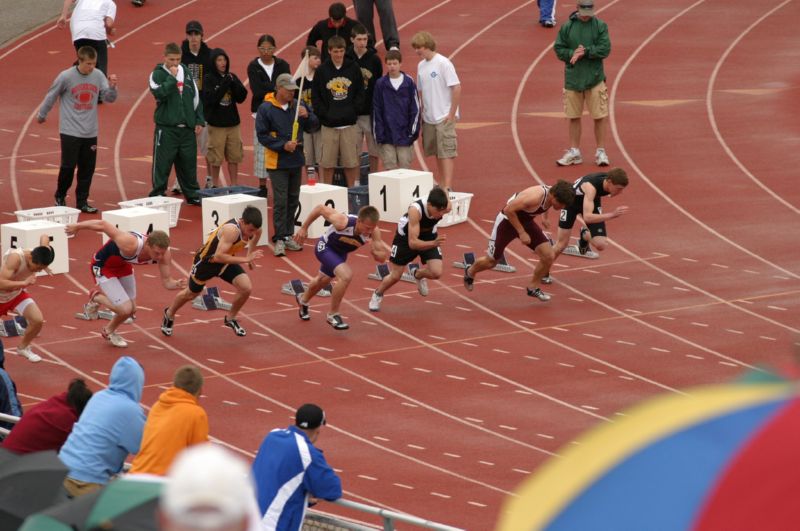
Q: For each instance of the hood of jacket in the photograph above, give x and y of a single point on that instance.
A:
(127, 377)
(175, 395)
(216, 52)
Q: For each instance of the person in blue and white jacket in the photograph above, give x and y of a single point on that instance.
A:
(291, 473)
(395, 114)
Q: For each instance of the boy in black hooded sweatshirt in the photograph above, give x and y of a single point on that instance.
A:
(337, 94)
(222, 90)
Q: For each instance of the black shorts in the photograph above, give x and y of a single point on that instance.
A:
(203, 271)
(402, 254)
(566, 219)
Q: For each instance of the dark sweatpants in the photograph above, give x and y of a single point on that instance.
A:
(178, 145)
(285, 199)
(80, 153)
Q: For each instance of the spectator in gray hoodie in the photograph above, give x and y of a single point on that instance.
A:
(79, 88)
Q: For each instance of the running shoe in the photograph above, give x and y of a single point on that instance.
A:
(91, 310)
(303, 311)
(166, 324)
(114, 338)
(291, 245)
(233, 324)
(539, 294)
(337, 322)
(26, 352)
(571, 156)
(422, 285)
(547, 280)
(375, 302)
(600, 157)
(209, 182)
(583, 244)
(468, 281)
(279, 248)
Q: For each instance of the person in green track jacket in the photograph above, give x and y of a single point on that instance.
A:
(178, 117)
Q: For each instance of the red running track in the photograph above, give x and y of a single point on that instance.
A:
(441, 406)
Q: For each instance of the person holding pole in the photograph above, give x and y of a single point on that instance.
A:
(278, 123)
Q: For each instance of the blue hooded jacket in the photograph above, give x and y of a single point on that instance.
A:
(110, 427)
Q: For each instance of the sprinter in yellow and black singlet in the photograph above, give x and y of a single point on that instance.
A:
(217, 258)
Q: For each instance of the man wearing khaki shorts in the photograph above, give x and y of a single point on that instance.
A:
(440, 93)
(582, 44)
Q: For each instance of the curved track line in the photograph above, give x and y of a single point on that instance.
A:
(713, 121)
(646, 179)
(524, 158)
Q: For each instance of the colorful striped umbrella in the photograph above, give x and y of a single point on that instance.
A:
(722, 457)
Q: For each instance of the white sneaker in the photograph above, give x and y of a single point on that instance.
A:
(547, 280)
(114, 338)
(279, 248)
(539, 294)
(600, 157)
(26, 352)
(291, 245)
(422, 285)
(571, 156)
(209, 182)
(91, 310)
(375, 302)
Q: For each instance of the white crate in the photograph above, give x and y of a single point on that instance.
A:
(171, 205)
(460, 209)
(57, 214)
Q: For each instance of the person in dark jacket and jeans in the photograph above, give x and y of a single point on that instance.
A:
(262, 73)
(223, 90)
(178, 117)
(337, 24)
(338, 93)
(284, 156)
(371, 71)
(395, 114)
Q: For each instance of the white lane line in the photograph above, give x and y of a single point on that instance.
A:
(489, 384)
(402, 486)
(436, 337)
(694, 356)
(590, 408)
(666, 317)
(721, 266)
(729, 364)
(768, 338)
(534, 358)
(368, 478)
(263, 410)
(465, 343)
(479, 421)
(695, 323)
(387, 362)
(621, 277)
(625, 377)
(680, 288)
(440, 495)
(568, 365)
(312, 382)
(561, 329)
(416, 446)
(688, 259)
(658, 349)
(326, 349)
(511, 428)
(779, 308)
(476, 504)
(545, 436)
(420, 369)
(651, 283)
(500, 351)
(218, 362)
(597, 371)
(529, 323)
(379, 438)
(621, 342)
(734, 331)
(521, 471)
(342, 389)
(463, 309)
(454, 377)
(279, 375)
(455, 456)
(593, 336)
(377, 397)
(522, 392)
(487, 463)
(230, 403)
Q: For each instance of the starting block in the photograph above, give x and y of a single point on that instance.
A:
(383, 269)
(572, 250)
(297, 286)
(13, 327)
(502, 265)
(210, 300)
(103, 314)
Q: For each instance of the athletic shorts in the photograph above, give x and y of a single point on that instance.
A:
(402, 254)
(566, 219)
(119, 290)
(329, 259)
(203, 271)
(17, 304)
(504, 233)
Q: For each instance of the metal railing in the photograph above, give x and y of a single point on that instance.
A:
(7, 418)
(319, 521)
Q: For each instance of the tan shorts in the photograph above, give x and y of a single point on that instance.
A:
(339, 147)
(440, 140)
(596, 101)
(312, 148)
(77, 488)
(394, 157)
(364, 125)
(224, 143)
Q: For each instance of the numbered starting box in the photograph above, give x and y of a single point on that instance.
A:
(319, 194)
(143, 220)
(218, 210)
(26, 235)
(392, 191)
